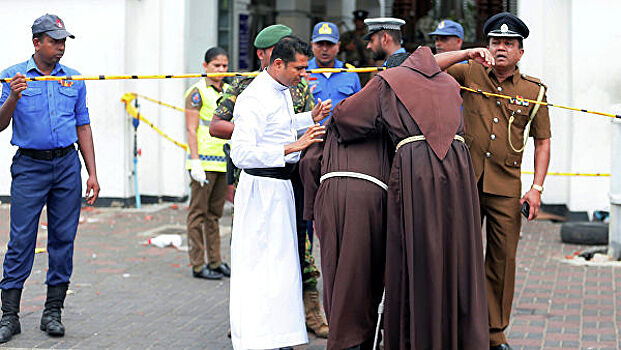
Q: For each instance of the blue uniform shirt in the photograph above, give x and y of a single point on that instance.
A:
(338, 87)
(48, 112)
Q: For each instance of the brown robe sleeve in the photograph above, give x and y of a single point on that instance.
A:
(310, 172)
(357, 116)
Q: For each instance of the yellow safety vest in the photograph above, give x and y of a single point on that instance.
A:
(209, 148)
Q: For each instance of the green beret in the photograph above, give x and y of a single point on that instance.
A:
(269, 36)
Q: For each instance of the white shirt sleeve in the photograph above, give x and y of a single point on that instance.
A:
(249, 126)
(303, 120)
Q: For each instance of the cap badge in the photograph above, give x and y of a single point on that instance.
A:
(59, 24)
(325, 29)
(441, 25)
(504, 28)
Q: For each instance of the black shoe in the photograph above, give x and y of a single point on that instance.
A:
(223, 269)
(504, 346)
(9, 324)
(51, 320)
(208, 274)
(51, 323)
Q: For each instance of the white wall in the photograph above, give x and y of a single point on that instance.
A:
(122, 37)
(570, 51)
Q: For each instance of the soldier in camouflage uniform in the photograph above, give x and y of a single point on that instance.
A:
(222, 127)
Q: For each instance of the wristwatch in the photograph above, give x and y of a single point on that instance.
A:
(537, 187)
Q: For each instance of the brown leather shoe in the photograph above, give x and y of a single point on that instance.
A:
(315, 320)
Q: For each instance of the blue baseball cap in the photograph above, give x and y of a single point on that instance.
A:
(52, 26)
(325, 31)
(449, 28)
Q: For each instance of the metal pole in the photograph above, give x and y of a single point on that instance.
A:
(614, 230)
(135, 123)
(380, 311)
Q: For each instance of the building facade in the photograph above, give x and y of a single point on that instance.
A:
(171, 36)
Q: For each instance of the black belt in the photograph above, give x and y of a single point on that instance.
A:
(284, 173)
(48, 154)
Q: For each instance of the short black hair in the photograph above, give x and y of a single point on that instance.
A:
(39, 36)
(394, 34)
(287, 47)
(214, 52)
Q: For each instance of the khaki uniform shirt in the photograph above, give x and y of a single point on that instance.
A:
(487, 123)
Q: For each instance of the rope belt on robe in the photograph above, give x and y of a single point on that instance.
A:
(354, 175)
(421, 138)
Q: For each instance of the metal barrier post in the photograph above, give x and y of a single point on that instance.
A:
(135, 123)
(614, 233)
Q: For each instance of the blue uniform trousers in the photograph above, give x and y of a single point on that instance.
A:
(58, 184)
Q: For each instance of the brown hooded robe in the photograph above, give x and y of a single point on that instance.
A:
(435, 280)
(350, 218)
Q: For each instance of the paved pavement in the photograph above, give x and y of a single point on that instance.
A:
(126, 295)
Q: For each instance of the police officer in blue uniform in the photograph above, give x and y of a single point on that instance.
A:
(49, 117)
(328, 86)
(384, 37)
(449, 36)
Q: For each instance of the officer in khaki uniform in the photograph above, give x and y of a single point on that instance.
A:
(495, 130)
(207, 165)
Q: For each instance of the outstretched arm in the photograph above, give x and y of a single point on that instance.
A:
(356, 116)
(479, 54)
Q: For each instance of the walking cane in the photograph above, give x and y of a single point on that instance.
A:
(380, 311)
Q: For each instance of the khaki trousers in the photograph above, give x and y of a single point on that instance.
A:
(206, 206)
(503, 223)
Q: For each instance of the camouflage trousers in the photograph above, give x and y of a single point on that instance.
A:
(310, 272)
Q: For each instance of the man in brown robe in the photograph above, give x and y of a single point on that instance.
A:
(345, 193)
(435, 279)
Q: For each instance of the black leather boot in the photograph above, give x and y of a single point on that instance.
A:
(50, 320)
(9, 324)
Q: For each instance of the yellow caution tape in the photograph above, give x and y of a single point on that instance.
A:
(185, 76)
(569, 174)
(129, 97)
(318, 70)
(133, 112)
(159, 102)
(519, 98)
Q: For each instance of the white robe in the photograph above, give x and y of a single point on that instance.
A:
(266, 307)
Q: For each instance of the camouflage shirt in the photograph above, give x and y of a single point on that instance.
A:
(301, 95)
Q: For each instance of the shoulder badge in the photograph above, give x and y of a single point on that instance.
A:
(531, 79)
(196, 98)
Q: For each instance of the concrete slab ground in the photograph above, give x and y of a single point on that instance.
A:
(127, 295)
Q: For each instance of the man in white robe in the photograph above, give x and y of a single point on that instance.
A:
(266, 307)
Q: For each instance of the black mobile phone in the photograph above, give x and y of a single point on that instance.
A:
(525, 209)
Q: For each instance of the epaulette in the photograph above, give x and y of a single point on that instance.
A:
(349, 66)
(532, 79)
